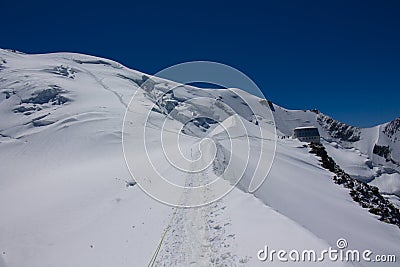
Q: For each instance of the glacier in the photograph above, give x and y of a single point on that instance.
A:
(67, 197)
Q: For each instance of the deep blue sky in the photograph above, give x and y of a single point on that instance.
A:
(342, 57)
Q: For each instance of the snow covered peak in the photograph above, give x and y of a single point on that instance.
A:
(66, 190)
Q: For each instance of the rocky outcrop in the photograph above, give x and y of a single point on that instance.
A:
(392, 130)
(382, 151)
(52, 94)
(366, 195)
(339, 130)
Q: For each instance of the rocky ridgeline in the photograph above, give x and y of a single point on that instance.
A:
(382, 151)
(338, 130)
(37, 101)
(366, 195)
(392, 130)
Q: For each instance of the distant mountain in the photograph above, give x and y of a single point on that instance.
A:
(368, 154)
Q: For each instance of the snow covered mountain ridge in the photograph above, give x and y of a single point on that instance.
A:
(63, 171)
(375, 151)
(332, 130)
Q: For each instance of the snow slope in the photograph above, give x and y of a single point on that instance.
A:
(67, 197)
(367, 154)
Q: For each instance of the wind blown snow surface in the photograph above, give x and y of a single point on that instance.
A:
(67, 197)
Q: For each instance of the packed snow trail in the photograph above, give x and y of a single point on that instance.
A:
(196, 236)
(188, 241)
(221, 233)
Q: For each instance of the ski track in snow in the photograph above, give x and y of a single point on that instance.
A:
(106, 87)
(198, 236)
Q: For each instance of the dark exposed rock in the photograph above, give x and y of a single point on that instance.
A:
(382, 151)
(101, 62)
(267, 103)
(392, 129)
(40, 123)
(22, 109)
(8, 93)
(203, 123)
(136, 81)
(339, 130)
(52, 94)
(147, 83)
(366, 195)
(156, 110)
(170, 104)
